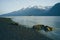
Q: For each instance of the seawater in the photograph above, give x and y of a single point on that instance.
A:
(29, 21)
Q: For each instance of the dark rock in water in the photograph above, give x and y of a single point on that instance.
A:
(14, 32)
(14, 23)
(39, 27)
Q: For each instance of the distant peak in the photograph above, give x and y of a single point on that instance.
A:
(39, 7)
(57, 4)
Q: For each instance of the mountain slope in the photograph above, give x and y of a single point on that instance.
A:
(36, 11)
(55, 10)
(33, 11)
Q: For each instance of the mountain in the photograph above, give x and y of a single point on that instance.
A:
(30, 11)
(37, 11)
(55, 10)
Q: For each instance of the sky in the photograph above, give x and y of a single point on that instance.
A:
(7, 6)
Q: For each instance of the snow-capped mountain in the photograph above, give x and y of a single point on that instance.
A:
(37, 11)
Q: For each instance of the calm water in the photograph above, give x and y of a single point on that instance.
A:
(29, 21)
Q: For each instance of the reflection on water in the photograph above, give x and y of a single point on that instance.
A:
(53, 21)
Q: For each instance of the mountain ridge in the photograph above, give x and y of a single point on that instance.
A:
(37, 11)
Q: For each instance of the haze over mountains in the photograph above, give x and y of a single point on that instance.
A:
(37, 11)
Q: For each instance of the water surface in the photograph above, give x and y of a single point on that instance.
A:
(29, 21)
